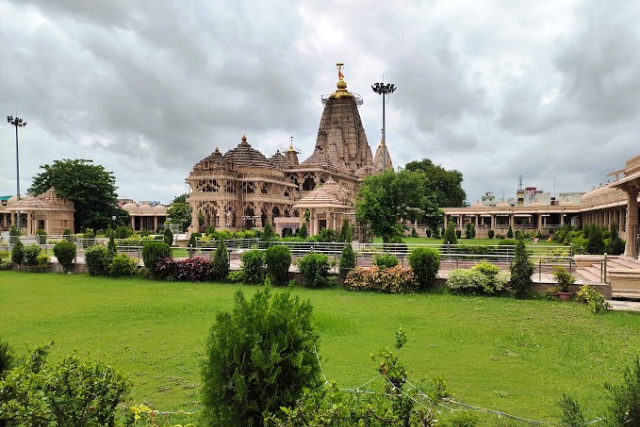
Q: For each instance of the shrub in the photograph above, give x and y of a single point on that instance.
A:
(595, 241)
(220, 262)
(253, 266)
(185, 270)
(521, 269)
(17, 252)
(236, 276)
(72, 392)
(563, 278)
(347, 260)
(43, 260)
(491, 233)
(315, 269)
(260, 357)
(624, 408)
(616, 244)
(383, 261)
(425, 264)
(14, 234)
(89, 234)
(123, 266)
(66, 233)
(268, 234)
(345, 232)
(152, 252)
(123, 232)
(65, 252)
(112, 249)
(482, 278)
(97, 260)
(7, 361)
(449, 235)
(302, 231)
(278, 261)
(597, 303)
(326, 235)
(394, 280)
(31, 253)
(193, 240)
(167, 237)
(571, 412)
(510, 232)
(458, 234)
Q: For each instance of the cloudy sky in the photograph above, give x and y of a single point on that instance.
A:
(549, 90)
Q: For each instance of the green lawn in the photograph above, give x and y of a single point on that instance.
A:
(504, 354)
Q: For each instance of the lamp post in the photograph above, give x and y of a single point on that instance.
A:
(383, 89)
(18, 123)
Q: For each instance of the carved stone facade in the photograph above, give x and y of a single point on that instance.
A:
(243, 188)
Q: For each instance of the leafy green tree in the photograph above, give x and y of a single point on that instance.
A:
(260, 357)
(385, 200)
(445, 186)
(521, 270)
(180, 211)
(91, 188)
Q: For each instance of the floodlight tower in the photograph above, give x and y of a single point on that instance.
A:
(18, 123)
(383, 89)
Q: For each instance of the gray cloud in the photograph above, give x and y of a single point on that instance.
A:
(494, 89)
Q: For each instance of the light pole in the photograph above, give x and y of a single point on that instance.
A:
(383, 89)
(18, 123)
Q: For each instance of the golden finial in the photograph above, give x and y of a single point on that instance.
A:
(342, 85)
(291, 144)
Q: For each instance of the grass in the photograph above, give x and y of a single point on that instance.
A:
(504, 354)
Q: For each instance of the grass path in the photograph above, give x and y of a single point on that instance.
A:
(505, 354)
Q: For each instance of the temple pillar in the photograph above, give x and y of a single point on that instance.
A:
(630, 248)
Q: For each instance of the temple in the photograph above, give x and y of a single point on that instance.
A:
(243, 188)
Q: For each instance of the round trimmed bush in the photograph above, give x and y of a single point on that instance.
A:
(425, 264)
(17, 252)
(65, 252)
(97, 260)
(31, 253)
(278, 259)
(253, 266)
(152, 252)
(383, 261)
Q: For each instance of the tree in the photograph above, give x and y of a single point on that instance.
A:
(521, 270)
(180, 211)
(595, 241)
(345, 232)
(91, 188)
(259, 358)
(385, 200)
(445, 186)
(348, 260)
(65, 252)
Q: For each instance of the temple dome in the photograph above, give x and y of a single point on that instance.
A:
(245, 155)
(131, 208)
(145, 209)
(12, 200)
(159, 210)
(280, 160)
(477, 205)
(503, 205)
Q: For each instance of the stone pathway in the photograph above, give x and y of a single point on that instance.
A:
(625, 305)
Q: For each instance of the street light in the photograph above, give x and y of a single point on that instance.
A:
(18, 123)
(383, 89)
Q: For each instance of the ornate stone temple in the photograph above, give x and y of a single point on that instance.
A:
(243, 188)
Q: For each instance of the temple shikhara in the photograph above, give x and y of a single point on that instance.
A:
(243, 188)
